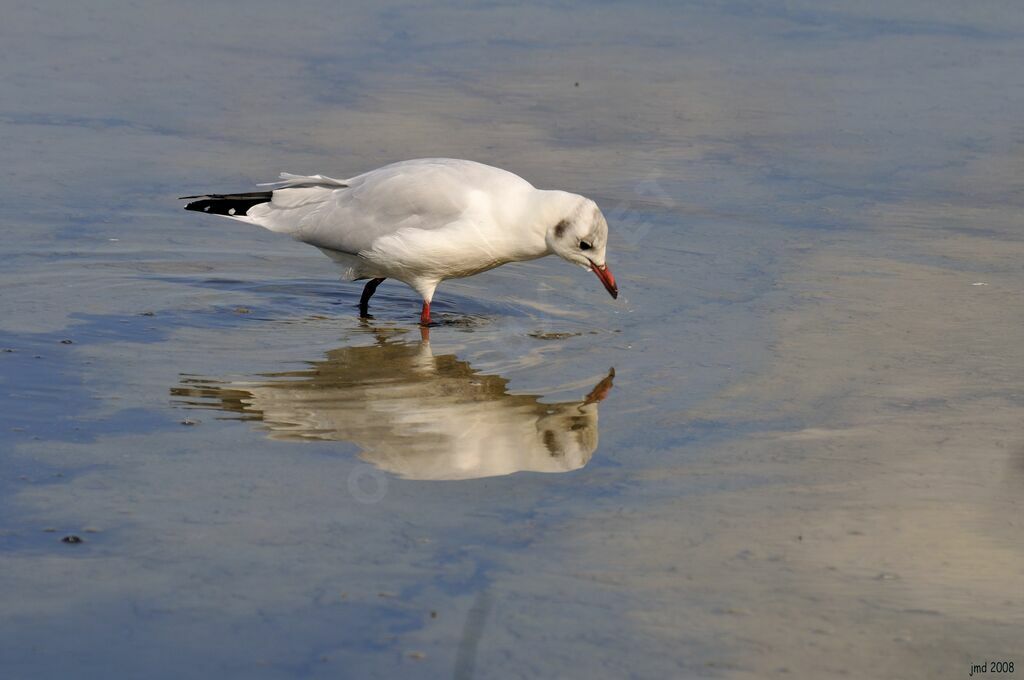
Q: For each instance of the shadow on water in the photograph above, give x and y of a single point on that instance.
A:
(412, 413)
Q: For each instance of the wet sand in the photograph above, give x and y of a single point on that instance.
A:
(883, 533)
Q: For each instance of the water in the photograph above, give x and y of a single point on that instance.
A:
(806, 463)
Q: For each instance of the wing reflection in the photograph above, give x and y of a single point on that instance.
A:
(414, 414)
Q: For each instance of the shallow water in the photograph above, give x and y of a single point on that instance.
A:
(807, 463)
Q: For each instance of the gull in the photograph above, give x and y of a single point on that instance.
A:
(423, 221)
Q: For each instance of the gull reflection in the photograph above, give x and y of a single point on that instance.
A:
(414, 414)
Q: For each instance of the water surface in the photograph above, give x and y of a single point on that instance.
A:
(808, 462)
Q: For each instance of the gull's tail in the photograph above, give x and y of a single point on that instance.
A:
(230, 205)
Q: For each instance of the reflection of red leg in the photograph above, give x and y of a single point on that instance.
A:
(425, 314)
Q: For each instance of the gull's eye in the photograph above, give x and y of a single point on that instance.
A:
(584, 245)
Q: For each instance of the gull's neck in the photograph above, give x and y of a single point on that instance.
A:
(543, 211)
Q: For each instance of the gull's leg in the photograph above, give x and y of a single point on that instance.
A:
(425, 287)
(368, 291)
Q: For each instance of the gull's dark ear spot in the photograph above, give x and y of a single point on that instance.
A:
(560, 228)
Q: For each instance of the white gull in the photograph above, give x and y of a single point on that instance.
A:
(423, 221)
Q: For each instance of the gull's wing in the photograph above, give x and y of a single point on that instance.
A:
(350, 215)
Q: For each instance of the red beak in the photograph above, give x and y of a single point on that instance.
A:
(607, 279)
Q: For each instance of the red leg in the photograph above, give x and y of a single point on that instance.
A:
(425, 314)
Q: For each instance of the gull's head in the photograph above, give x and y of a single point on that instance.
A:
(580, 237)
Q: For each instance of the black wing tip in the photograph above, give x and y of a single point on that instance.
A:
(232, 205)
(195, 205)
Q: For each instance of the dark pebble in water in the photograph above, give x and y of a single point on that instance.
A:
(552, 336)
(65, 341)
(462, 321)
(71, 539)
